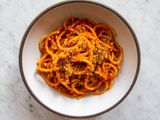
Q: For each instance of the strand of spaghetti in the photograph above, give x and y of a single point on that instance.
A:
(63, 82)
(81, 55)
(91, 87)
(47, 81)
(106, 87)
(111, 32)
(57, 58)
(85, 61)
(50, 75)
(42, 58)
(110, 66)
(103, 43)
(99, 72)
(98, 42)
(76, 90)
(107, 45)
(41, 44)
(47, 66)
(73, 39)
(39, 68)
(59, 38)
(90, 51)
(92, 30)
(66, 21)
(67, 93)
(119, 59)
(45, 70)
(57, 31)
(47, 49)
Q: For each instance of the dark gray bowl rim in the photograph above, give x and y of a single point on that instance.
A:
(53, 7)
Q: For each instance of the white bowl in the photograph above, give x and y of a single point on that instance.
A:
(53, 17)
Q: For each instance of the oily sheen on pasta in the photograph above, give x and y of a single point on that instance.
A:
(80, 58)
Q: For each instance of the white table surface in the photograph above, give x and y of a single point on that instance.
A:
(143, 103)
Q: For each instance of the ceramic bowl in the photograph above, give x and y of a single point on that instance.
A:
(89, 106)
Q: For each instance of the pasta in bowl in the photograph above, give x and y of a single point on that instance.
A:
(80, 58)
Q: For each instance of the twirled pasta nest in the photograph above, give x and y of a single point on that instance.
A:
(80, 58)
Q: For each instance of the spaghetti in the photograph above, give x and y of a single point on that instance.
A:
(80, 58)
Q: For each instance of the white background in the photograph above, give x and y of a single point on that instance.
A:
(143, 103)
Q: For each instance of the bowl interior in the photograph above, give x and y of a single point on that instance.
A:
(86, 106)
